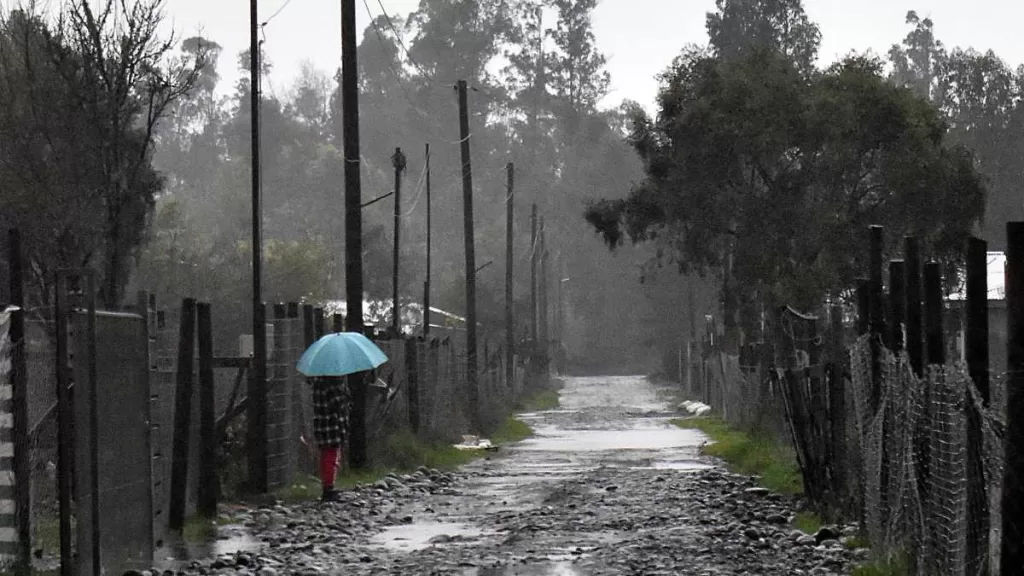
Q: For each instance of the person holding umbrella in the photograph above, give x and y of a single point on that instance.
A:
(325, 363)
(332, 403)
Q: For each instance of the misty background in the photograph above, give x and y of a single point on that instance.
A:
(554, 87)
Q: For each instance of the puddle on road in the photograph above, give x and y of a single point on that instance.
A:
(664, 437)
(230, 540)
(684, 465)
(420, 535)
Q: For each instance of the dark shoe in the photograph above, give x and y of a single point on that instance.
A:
(329, 496)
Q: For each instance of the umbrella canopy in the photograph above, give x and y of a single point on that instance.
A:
(341, 354)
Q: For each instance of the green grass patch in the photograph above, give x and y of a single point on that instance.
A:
(754, 454)
(46, 533)
(855, 542)
(511, 430)
(808, 522)
(402, 453)
(897, 564)
(543, 400)
(199, 529)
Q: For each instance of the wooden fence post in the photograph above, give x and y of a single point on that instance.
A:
(413, 371)
(876, 313)
(256, 423)
(206, 503)
(1012, 555)
(837, 404)
(878, 337)
(897, 304)
(818, 410)
(338, 322)
(935, 354)
(65, 427)
(319, 322)
(976, 351)
(182, 414)
(308, 326)
(933, 313)
(796, 408)
(914, 341)
(19, 404)
(863, 308)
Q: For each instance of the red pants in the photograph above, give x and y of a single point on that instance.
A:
(329, 457)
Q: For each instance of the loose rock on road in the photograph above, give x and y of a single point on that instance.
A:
(606, 486)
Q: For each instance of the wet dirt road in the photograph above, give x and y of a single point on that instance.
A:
(606, 486)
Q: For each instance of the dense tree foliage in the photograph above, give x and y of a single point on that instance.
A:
(982, 100)
(119, 150)
(739, 28)
(83, 94)
(540, 111)
(756, 168)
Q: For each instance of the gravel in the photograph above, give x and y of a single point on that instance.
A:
(517, 513)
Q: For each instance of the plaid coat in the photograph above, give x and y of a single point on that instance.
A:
(331, 405)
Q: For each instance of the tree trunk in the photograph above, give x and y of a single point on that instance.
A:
(110, 294)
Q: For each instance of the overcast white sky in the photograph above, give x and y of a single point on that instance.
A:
(640, 37)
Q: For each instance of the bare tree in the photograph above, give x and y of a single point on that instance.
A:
(125, 77)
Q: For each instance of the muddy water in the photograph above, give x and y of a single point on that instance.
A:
(230, 540)
(616, 422)
(607, 486)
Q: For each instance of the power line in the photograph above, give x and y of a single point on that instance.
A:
(400, 80)
(420, 186)
(408, 55)
(398, 37)
(275, 14)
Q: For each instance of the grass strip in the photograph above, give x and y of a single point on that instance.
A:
(756, 454)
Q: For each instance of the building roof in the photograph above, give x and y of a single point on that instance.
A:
(378, 312)
(996, 279)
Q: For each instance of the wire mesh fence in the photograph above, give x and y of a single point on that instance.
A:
(900, 459)
(914, 446)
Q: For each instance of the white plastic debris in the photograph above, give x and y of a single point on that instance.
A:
(474, 443)
(695, 408)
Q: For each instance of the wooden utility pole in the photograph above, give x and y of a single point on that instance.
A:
(543, 289)
(534, 255)
(560, 280)
(426, 283)
(467, 198)
(510, 328)
(398, 161)
(353, 223)
(256, 435)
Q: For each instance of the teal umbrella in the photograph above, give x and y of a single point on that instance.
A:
(340, 354)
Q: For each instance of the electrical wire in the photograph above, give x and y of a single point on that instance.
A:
(420, 187)
(408, 55)
(275, 14)
(401, 82)
(401, 42)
